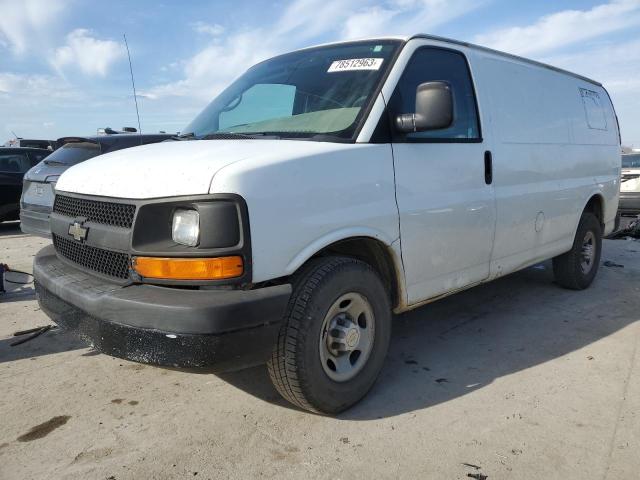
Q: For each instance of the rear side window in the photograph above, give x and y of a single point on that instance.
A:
(437, 64)
(72, 153)
(593, 109)
(14, 163)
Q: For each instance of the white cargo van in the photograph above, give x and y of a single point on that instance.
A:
(322, 191)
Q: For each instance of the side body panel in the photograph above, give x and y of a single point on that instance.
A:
(447, 211)
(297, 206)
(555, 146)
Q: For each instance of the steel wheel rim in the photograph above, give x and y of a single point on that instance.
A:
(588, 252)
(347, 336)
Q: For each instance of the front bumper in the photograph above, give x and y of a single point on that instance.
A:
(34, 219)
(629, 202)
(161, 325)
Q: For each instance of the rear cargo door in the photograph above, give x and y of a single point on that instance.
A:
(443, 183)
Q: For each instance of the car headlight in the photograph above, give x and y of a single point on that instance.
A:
(186, 227)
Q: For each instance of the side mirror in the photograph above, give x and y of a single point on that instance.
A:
(434, 109)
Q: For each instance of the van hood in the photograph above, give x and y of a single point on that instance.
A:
(171, 168)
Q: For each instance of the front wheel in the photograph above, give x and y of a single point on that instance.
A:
(577, 268)
(335, 335)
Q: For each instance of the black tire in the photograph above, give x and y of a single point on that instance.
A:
(295, 367)
(568, 268)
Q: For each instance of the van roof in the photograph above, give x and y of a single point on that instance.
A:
(504, 54)
(406, 38)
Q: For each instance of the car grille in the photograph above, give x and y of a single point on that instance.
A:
(106, 262)
(108, 213)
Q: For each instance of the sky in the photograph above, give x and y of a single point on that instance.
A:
(64, 68)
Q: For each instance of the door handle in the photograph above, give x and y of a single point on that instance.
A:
(488, 167)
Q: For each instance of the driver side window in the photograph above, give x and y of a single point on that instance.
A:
(258, 103)
(430, 64)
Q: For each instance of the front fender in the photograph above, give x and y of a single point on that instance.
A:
(304, 196)
(332, 237)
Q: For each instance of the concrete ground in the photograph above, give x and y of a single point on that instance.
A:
(514, 379)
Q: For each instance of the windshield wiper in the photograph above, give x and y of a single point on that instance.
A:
(236, 136)
(53, 162)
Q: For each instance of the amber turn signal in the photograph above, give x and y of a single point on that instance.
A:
(189, 268)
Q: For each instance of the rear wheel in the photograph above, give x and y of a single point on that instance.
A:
(335, 335)
(577, 268)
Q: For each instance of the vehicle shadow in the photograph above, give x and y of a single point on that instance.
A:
(463, 342)
(17, 293)
(11, 229)
(52, 341)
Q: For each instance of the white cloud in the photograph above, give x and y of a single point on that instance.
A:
(406, 17)
(208, 29)
(22, 86)
(211, 69)
(25, 22)
(303, 21)
(369, 21)
(564, 28)
(31, 99)
(91, 55)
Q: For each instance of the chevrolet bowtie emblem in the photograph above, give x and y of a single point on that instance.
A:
(78, 232)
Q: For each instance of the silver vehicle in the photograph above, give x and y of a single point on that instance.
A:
(630, 184)
(38, 189)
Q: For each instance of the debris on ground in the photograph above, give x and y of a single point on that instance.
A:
(477, 476)
(609, 263)
(35, 332)
(631, 230)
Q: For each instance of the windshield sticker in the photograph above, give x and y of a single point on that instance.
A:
(355, 64)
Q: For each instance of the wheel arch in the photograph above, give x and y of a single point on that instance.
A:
(382, 256)
(596, 205)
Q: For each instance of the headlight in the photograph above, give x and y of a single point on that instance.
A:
(186, 227)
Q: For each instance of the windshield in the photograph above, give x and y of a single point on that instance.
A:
(72, 153)
(631, 161)
(321, 93)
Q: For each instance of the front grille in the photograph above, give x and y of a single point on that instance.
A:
(113, 264)
(108, 213)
